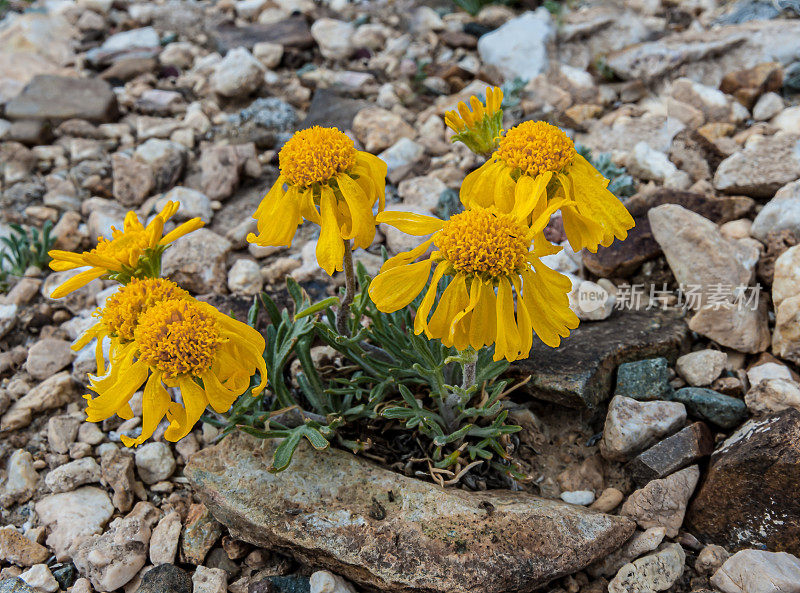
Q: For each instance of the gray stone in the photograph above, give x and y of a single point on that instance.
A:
(333, 38)
(724, 411)
(238, 74)
(656, 572)
(762, 167)
(332, 110)
(701, 367)
(662, 503)
(54, 392)
(644, 380)
(292, 32)
(194, 204)
(155, 462)
(758, 571)
(518, 49)
(21, 479)
(48, 356)
(15, 585)
(197, 262)
(334, 525)
(59, 98)
(680, 450)
(632, 426)
(579, 373)
(76, 473)
(165, 578)
(782, 212)
(640, 543)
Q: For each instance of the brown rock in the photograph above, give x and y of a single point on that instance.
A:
(738, 327)
(17, 549)
(57, 98)
(458, 39)
(662, 503)
(221, 168)
(749, 84)
(673, 453)
(133, 180)
(200, 533)
(117, 468)
(292, 33)
(749, 497)
(393, 533)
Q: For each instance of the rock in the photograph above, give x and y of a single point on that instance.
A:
(773, 395)
(722, 410)
(209, 580)
(221, 168)
(166, 158)
(238, 74)
(194, 204)
(69, 476)
(697, 253)
(782, 212)
(71, 516)
(244, 277)
(133, 180)
(8, 317)
(650, 164)
(59, 98)
(680, 450)
(788, 120)
(749, 84)
(164, 540)
(710, 558)
(197, 262)
(663, 502)
(292, 32)
(344, 535)
(154, 462)
(632, 426)
(786, 337)
(578, 497)
(165, 578)
(331, 110)
(40, 578)
(786, 281)
(53, 392)
(113, 559)
(48, 356)
(21, 479)
(735, 326)
(423, 192)
(117, 469)
(579, 373)
(640, 543)
(377, 129)
(400, 157)
(645, 380)
(17, 549)
(758, 571)
(766, 164)
(608, 500)
(200, 533)
(701, 367)
(269, 54)
(749, 494)
(15, 585)
(518, 49)
(62, 432)
(323, 581)
(333, 37)
(767, 107)
(656, 572)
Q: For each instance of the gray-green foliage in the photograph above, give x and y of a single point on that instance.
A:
(23, 248)
(391, 379)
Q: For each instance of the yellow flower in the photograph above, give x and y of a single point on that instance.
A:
(480, 127)
(537, 161)
(324, 179)
(162, 338)
(134, 251)
(487, 254)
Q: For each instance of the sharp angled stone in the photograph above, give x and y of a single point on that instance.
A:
(673, 453)
(389, 532)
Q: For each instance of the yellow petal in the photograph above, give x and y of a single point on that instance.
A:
(397, 287)
(307, 208)
(530, 196)
(219, 396)
(280, 226)
(582, 232)
(410, 222)
(194, 404)
(76, 282)
(483, 323)
(267, 204)
(155, 402)
(508, 341)
(108, 402)
(421, 317)
(454, 298)
(363, 230)
(330, 246)
(477, 187)
(181, 230)
(406, 257)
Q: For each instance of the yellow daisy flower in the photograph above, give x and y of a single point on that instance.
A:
(324, 179)
(537, 161)
(162, 338)
(488, 255)
(134, 251)
(480, 127)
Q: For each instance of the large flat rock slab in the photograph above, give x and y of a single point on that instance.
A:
(391, 533)
(580, 372)
(59, 98)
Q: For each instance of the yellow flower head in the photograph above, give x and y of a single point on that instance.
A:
(324, 179)
(489, 255)
(479, 127)
(132, 252)
(537, 162)
(176, 342)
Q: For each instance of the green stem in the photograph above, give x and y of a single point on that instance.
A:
(343, 314)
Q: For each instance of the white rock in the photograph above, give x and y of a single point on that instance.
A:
(144, 37)
(782, 212)
(650, 164)
(766, 371)
(194, 204)
(238, 74)
(662, 502)
(72, 516)
(154, 462)
(758, 571)
(580, 497)
(788, 120)
(21, 478)
(786, 281)
(422, 191)
(377, 129)
(786, 336)
(333, 37)
(39, 577)
(269, 54)
(768, 105)
(48, 356)
(164, 540)
(518, 49)
(656, 572)
(631, 426)
(69, 476)
(209, 580)
(702, 367)
(244, 277)
(401, 157)
(249, 9)
(773, 395)
(8, 317)
(323, 581)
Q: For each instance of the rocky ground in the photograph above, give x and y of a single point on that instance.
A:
(676, 413)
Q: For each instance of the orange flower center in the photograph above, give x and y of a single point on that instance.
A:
(535, 147)
(315, 155)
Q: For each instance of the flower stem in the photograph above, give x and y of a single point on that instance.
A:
(343, 314)
(468, 369)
